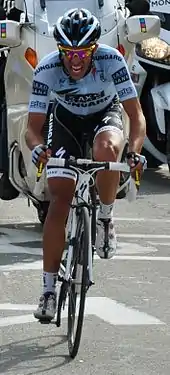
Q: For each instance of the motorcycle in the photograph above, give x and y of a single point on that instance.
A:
(28, 41)
(150, 72)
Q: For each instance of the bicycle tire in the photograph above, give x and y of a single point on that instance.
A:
(93, 195)
(63, 290)
(80, 257)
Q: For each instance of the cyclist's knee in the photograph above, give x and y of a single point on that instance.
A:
(58, 210)
(107, 147)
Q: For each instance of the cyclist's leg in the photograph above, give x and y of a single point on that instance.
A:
(107, 146)
(61, 185)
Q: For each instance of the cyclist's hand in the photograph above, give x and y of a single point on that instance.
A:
(137, 163)
(40, 154)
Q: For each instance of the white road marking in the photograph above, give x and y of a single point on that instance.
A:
(20, 234)
(22, 267)
(20, 319)
(104, 308)
(140, 257)
(37, 265)
(11, 236)
(23, 236)
(11, 249)
(18, 221)
(142, 219)
(124, 248)
(142, 235)
(127, 251)
(117, 313)
(16, 306)
(30, 224)
(158, 243)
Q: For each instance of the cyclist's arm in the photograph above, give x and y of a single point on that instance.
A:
(38, 107)
(137, 124)
(33, 134)
(128, 96)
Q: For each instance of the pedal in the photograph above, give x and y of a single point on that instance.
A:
(91, 283)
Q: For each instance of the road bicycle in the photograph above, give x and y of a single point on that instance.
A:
(76, 269)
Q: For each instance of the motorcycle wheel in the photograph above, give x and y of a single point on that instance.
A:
(152, 163)
(167, 117)
(151, 125)
(42, 212)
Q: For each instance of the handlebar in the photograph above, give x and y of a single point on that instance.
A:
(87, 164)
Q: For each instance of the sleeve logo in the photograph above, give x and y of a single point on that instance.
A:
(37, 104)
(125, 92)
(120, 76)
(39, 88)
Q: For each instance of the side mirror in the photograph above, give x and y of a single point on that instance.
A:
(137, 7)
(10, 33)
(142, 27)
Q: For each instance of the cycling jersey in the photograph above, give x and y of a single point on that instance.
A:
(108, 78)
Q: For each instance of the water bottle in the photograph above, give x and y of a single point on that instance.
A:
(132, 192)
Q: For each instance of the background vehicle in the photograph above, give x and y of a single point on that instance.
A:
(29, 40)
(151, 74)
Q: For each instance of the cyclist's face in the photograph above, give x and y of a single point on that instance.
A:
(77, 61)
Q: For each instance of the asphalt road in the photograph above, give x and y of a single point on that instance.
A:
(127, 325)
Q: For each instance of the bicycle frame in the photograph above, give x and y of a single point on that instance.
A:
(81, 195)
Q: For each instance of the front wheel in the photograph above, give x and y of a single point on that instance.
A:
(79, 282)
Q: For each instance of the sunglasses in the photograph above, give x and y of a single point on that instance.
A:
(81, 53)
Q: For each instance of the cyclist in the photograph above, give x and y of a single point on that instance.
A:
(89, 81)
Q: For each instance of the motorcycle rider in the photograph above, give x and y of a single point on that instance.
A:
(89, 80)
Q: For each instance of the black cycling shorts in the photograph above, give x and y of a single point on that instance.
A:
(67, 131)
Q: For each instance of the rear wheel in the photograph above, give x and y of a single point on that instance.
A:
(79, 282)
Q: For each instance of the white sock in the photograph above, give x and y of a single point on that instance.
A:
(105, 211)
(49, 282)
